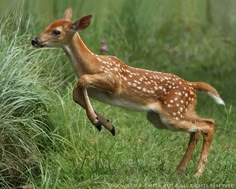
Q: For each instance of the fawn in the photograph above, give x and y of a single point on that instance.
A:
(168, 99)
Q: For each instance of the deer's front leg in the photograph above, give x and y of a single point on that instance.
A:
(77, 97)
(97, 81)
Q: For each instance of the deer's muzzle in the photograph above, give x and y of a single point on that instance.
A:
(36, 43)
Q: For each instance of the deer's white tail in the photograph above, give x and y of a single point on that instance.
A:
(217, 99)
(211, 91)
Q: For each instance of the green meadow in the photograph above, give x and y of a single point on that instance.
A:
(46, 140)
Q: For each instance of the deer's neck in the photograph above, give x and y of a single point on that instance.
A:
(80, 56)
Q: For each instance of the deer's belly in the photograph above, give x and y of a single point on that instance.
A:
(108, 98)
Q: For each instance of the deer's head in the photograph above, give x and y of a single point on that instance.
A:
(61, 32)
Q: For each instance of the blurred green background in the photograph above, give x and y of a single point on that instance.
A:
(46, 140)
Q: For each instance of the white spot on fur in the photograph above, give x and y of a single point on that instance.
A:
(115, 69)
(134, 84)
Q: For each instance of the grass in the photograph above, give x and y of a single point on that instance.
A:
(85, 158)
(22, 108)
(46, 140)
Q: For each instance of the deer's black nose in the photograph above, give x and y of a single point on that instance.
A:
(34, 42)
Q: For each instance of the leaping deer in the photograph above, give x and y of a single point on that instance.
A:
(168, 99)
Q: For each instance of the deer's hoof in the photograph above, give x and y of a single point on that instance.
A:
(98, 126)
(113, 131)
(180, 171)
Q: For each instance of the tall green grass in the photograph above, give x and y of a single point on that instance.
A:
(47, 141)
(24, 103)
(22, 106)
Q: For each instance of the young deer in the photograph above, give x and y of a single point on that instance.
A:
(168, 99)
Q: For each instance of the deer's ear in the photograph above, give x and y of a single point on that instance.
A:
(82, 23)
(68, 14)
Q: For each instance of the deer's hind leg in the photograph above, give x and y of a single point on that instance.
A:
(194, 138)
(187, 122)
(208, 133)
(195, 126)
(155, 119)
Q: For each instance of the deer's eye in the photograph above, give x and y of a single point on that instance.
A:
(56, 32)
